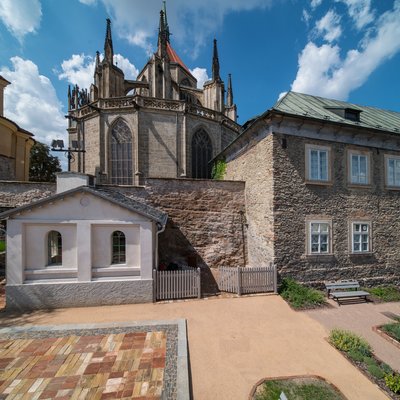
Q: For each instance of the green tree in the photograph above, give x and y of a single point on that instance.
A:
(43, 166)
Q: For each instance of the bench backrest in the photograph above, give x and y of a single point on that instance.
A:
(342, 285)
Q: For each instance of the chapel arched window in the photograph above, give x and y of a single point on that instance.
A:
(201, 155)
(54, 248)
(118, 248)
(121, 154)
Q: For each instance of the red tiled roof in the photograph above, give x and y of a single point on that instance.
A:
(175, 58)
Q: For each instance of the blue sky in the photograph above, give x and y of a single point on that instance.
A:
(343, 49)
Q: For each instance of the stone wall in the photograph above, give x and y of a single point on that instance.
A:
(295, 201)
(7, 167)
(205, 226)
(255, 168)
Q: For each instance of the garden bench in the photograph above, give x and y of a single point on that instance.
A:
(341, 291)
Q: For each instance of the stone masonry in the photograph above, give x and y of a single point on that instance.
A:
(206, 225)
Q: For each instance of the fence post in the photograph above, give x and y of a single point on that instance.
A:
(275, 278)
(154, 285)
(198, 283)
(239, 283)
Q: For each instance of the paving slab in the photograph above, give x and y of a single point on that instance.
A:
(360, 318)
(234, 342)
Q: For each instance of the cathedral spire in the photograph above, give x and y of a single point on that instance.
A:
(162, 36)
(108, 46)
(229, 95)
(215, 64)
(167, 33)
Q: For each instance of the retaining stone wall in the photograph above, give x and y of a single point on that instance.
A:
(205, 226)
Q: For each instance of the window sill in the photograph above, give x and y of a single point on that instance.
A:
(359, 186)
(319, 257)
(319, 183)
(393, 188)
(362, 254)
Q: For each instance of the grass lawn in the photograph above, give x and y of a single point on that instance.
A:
(385, 293)
(299, 296)
(392, 330)
(298, 389)
(2, 245)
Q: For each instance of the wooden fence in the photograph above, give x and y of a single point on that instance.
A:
(180, 284)
(247, 280)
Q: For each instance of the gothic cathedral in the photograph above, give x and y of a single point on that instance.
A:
(159, 125)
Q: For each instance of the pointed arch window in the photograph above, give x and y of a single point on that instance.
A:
(54, 248)
(201, 155)
(118, 248)
(121, 154)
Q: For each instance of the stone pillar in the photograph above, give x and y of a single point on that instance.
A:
(15, 253)
(84, 251)
(146, 253)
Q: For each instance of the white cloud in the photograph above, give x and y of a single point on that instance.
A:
(306, 16)
(79, 69)
(21, 16)
(360, 11)
(329, 26)
(191, 22)
(201, 75)
(315, 3)
(323, 72)
(88, 2)
(31, 101)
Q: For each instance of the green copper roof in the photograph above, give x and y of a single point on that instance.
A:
(304, 105)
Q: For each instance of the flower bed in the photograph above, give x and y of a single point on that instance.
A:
(359, 352)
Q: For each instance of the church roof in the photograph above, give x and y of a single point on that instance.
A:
(173, 56)
(314, 107)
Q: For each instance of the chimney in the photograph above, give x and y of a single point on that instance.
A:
(3, 84)
(71, 180)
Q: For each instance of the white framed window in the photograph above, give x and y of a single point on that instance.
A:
(392, 169)
(318, 163)
(361, 237)
(319, 237)
(359, 167)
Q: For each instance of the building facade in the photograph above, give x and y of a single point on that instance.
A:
(81, 246)
(15, 145)
(159, 125)
(322, 189)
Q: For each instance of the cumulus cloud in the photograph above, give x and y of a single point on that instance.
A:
(322, 70)
(88, 2)
(191, 23)
(315, 3)
(21, 16)
(360, 11)
(329, 26)
(201, 75)
(79, 69)
(31, 101)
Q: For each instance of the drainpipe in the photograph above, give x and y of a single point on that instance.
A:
(160, 229)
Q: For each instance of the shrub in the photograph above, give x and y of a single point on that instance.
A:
(386, 293)
(393, 382)
(369, 361)
(356, 355)
(218, 170)
(387, 369)
(299, 296)
(348, 341)
(393, 330)
(376, 371)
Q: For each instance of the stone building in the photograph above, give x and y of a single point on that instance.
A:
(15, 145)
(322, 189)
(159, 125)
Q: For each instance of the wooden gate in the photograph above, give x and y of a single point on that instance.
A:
(180, 284)
(243, 280)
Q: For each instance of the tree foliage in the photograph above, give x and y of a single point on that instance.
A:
(43, 166)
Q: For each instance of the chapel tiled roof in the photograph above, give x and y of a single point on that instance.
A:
(173, 56)
(314, 107)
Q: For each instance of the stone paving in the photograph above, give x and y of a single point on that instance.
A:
(95, 364)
